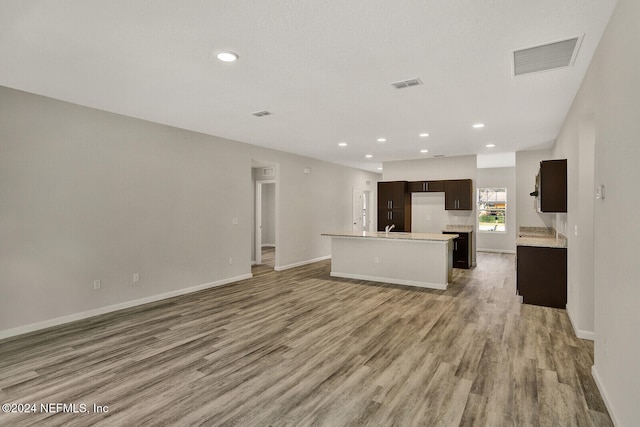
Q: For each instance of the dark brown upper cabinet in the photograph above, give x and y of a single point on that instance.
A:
(552, 186)
(458, 195)
(426, 186)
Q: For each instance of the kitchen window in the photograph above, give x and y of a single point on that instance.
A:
(492, 209)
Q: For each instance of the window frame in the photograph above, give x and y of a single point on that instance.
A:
(481, 207)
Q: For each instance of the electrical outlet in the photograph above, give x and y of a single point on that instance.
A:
(376, 260)
(96, 284)
(136, 277)
(230, 261)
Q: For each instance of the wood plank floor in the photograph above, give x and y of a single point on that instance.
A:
(301, 348)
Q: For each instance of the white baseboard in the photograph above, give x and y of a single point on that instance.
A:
(585, 335)
(268, 245)
(111, 308)
(390, 280)
(604, 394)
(496, 251)
(301, 263)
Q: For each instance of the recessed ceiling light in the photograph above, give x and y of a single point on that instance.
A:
(227, 56)
(490, 145)
(382, 140)
(379, 169)
(478, 125)
(342, 144)
(368, 156)
(424, 135)
(424, 151)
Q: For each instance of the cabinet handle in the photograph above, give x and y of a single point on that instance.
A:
(391, 213)
(425, 186)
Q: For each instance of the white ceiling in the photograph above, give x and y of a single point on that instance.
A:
(322, 68)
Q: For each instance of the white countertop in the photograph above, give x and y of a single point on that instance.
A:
(394, 236)
(543, 242)
(544, 237)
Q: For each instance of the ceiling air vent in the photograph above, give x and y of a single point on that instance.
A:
(261, 113)
(406, 83)
(546, 57)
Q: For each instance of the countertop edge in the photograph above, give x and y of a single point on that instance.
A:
(432, 237)
(542, 242)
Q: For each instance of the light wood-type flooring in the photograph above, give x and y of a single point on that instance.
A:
(301, 348)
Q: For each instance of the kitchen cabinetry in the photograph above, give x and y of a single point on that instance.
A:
(457, 195)
(394, 206)
(461, 249)
(542, 275)
(426, 186)
(552, 186)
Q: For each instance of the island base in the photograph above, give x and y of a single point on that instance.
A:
(420, 263)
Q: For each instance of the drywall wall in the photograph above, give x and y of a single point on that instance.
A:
(493, 241)
(605, 114)
(576, 143)
(427, 213)
(527, 165)
(88, 195)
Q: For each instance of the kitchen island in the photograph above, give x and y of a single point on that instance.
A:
(414, 259)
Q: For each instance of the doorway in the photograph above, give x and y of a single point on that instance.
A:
(265, 223)
(361, 212)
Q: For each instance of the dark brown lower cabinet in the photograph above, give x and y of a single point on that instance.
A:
(542, 276)
(461, 249)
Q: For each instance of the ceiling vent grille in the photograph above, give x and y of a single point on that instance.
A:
(406, 83)
(546, 57)
(261, 113)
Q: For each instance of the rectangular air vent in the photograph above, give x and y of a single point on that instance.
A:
(546, 57)
(261, 113)
(406, 83)
(268, 172)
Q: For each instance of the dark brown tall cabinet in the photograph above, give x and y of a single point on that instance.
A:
(394, 206)
(457, 195)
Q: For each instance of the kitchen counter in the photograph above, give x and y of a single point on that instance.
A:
(394, 236)
(414, 259)
(542, 237)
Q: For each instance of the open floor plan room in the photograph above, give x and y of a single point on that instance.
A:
(299, 347)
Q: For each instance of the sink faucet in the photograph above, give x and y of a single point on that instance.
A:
(388, 228)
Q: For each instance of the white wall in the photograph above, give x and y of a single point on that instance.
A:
(427, 213)
(605, 115)
(460, 167)
(492, 241)
(576, 143)
(527, 165)
(86, 195)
